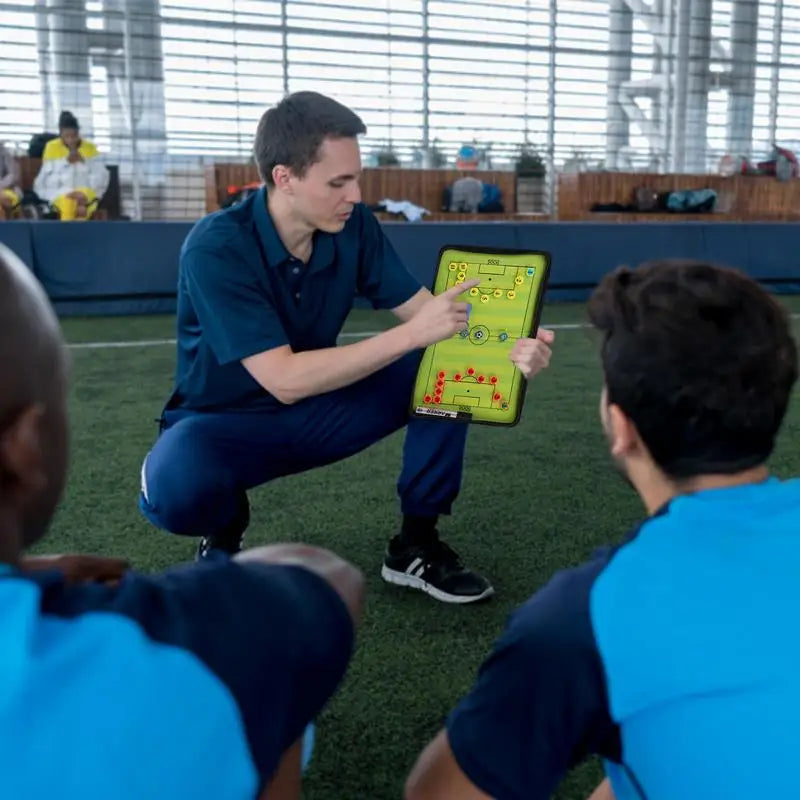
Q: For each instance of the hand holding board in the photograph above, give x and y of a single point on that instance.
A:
(469, 377)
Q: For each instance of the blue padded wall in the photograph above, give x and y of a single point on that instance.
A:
(131, 267)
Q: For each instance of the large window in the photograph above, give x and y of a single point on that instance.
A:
(177, 80)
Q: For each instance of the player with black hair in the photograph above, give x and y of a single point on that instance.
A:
(674, 656)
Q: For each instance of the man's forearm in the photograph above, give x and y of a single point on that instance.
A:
(286, 782)
(317, 371)
(603, 791)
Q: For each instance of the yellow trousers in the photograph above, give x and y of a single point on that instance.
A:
(67, 207)
(15, 199)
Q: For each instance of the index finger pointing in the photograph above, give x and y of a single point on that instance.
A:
(459, 288)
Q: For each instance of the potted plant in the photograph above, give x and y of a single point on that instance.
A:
(529, 163)
(387, 158)
(436, 156)
(430, 157)
(531, 173)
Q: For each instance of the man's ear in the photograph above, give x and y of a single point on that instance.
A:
(281, 177)
(22, 467)
(622, 434)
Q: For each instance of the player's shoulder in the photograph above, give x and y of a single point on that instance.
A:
(141, 622)
(88, 149)
(54, 149)
(112, 664)
(558, 614)
(220, 232)
(212, 610)
(542, 681)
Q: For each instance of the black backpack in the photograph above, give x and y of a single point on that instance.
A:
(37, 143)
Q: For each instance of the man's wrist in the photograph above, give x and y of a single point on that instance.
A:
(405, 334)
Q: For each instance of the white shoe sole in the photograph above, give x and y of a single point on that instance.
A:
(412, 582)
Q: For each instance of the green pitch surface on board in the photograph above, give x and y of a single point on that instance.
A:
(470, 377)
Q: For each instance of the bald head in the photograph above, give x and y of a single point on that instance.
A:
(33, 427)
(31, 346)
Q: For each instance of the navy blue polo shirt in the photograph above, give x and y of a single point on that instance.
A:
(192, 683)
(676, 658)
(240, 292)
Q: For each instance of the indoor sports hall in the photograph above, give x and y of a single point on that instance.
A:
(600, 133)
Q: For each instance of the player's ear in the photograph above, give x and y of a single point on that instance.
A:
(22, 455)
(281, 177)
(623, 438)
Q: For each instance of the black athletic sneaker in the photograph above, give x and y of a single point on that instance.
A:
(435, 569)
(227, 542)
(211, 547)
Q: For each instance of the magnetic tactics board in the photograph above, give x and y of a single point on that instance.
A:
(469, 377)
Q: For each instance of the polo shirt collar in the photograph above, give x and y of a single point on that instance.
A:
(323, 249)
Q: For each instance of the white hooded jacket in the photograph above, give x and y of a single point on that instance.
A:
(57, 176)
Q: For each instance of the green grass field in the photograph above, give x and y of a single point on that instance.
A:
(415, 657)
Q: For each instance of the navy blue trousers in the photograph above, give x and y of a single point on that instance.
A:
(201, 464)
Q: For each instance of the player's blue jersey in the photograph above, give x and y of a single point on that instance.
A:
(191, 684)
(675, 657)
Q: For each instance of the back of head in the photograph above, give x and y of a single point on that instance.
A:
(33, 426)
(701, 359)
(291, 133)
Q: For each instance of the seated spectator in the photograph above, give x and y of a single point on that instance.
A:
(10, 193)
(196, 683)
(675, 655)
(73, 178)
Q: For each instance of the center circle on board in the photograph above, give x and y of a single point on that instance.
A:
(479, 334)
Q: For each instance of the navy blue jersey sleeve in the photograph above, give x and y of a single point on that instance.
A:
(278, 637)
(540, 704)
(236, 313)
(383, 279)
